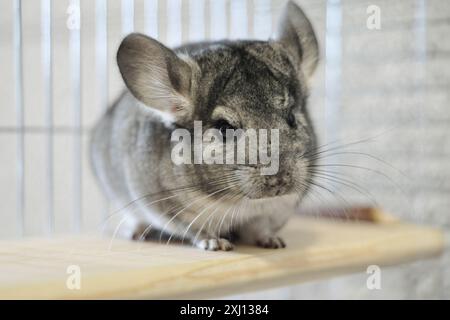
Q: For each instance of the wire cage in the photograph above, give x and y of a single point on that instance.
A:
(59, 75)
(379, 102)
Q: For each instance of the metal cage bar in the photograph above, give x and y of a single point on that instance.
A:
(75, 75)
(47, 75)
(20, 115)
(216, 19)
(127, 11)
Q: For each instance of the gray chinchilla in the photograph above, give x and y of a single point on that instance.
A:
(225, 85)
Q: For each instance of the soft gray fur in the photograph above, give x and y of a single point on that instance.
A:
(240, 84)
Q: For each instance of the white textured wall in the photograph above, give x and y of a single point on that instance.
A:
(391, 85)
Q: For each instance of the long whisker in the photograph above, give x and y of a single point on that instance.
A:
(325, 155)
(116, 230)
(338, 165)
(236, 197)
(335, 194)
(200, 214)
(352, 185)
(182, 210)
(219, 227)
(209, 217)
(178, 190)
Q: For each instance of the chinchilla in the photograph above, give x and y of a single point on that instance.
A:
(225, 85)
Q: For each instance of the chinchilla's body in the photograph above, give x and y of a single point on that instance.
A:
(225, 85)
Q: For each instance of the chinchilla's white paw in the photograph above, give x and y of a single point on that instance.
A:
(215, 244)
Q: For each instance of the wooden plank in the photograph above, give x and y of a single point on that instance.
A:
(317, 248)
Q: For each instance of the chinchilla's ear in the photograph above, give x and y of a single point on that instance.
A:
(296, 34)
(155, 75)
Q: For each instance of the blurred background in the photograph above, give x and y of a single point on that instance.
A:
(380, 97)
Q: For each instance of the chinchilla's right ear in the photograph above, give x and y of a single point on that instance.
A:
(155, 75)
(297, 35)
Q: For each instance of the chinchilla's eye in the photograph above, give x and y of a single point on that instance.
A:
(222, 125)
(291, 120)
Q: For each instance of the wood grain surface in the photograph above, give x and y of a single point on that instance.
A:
(317, 248)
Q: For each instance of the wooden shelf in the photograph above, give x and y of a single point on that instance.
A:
(317, 248)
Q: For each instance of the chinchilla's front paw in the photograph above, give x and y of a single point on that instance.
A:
(271, 242)
(214, 244)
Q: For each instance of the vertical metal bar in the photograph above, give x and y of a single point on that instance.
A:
(162, 17)
(20, 117)
(127, 10)
(75, 72)
(262, 21)
(47, 73)
(101, 62)
(251, 18)
(275, 17)
(333, 51)
(173, 22)
(227, 24)
(151, 18)
(238, 24)
(218, 19)
(196, 20)
(184, 21)
(207, 11)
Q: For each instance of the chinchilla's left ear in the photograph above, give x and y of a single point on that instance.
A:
(156, 76)
(296, 34)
